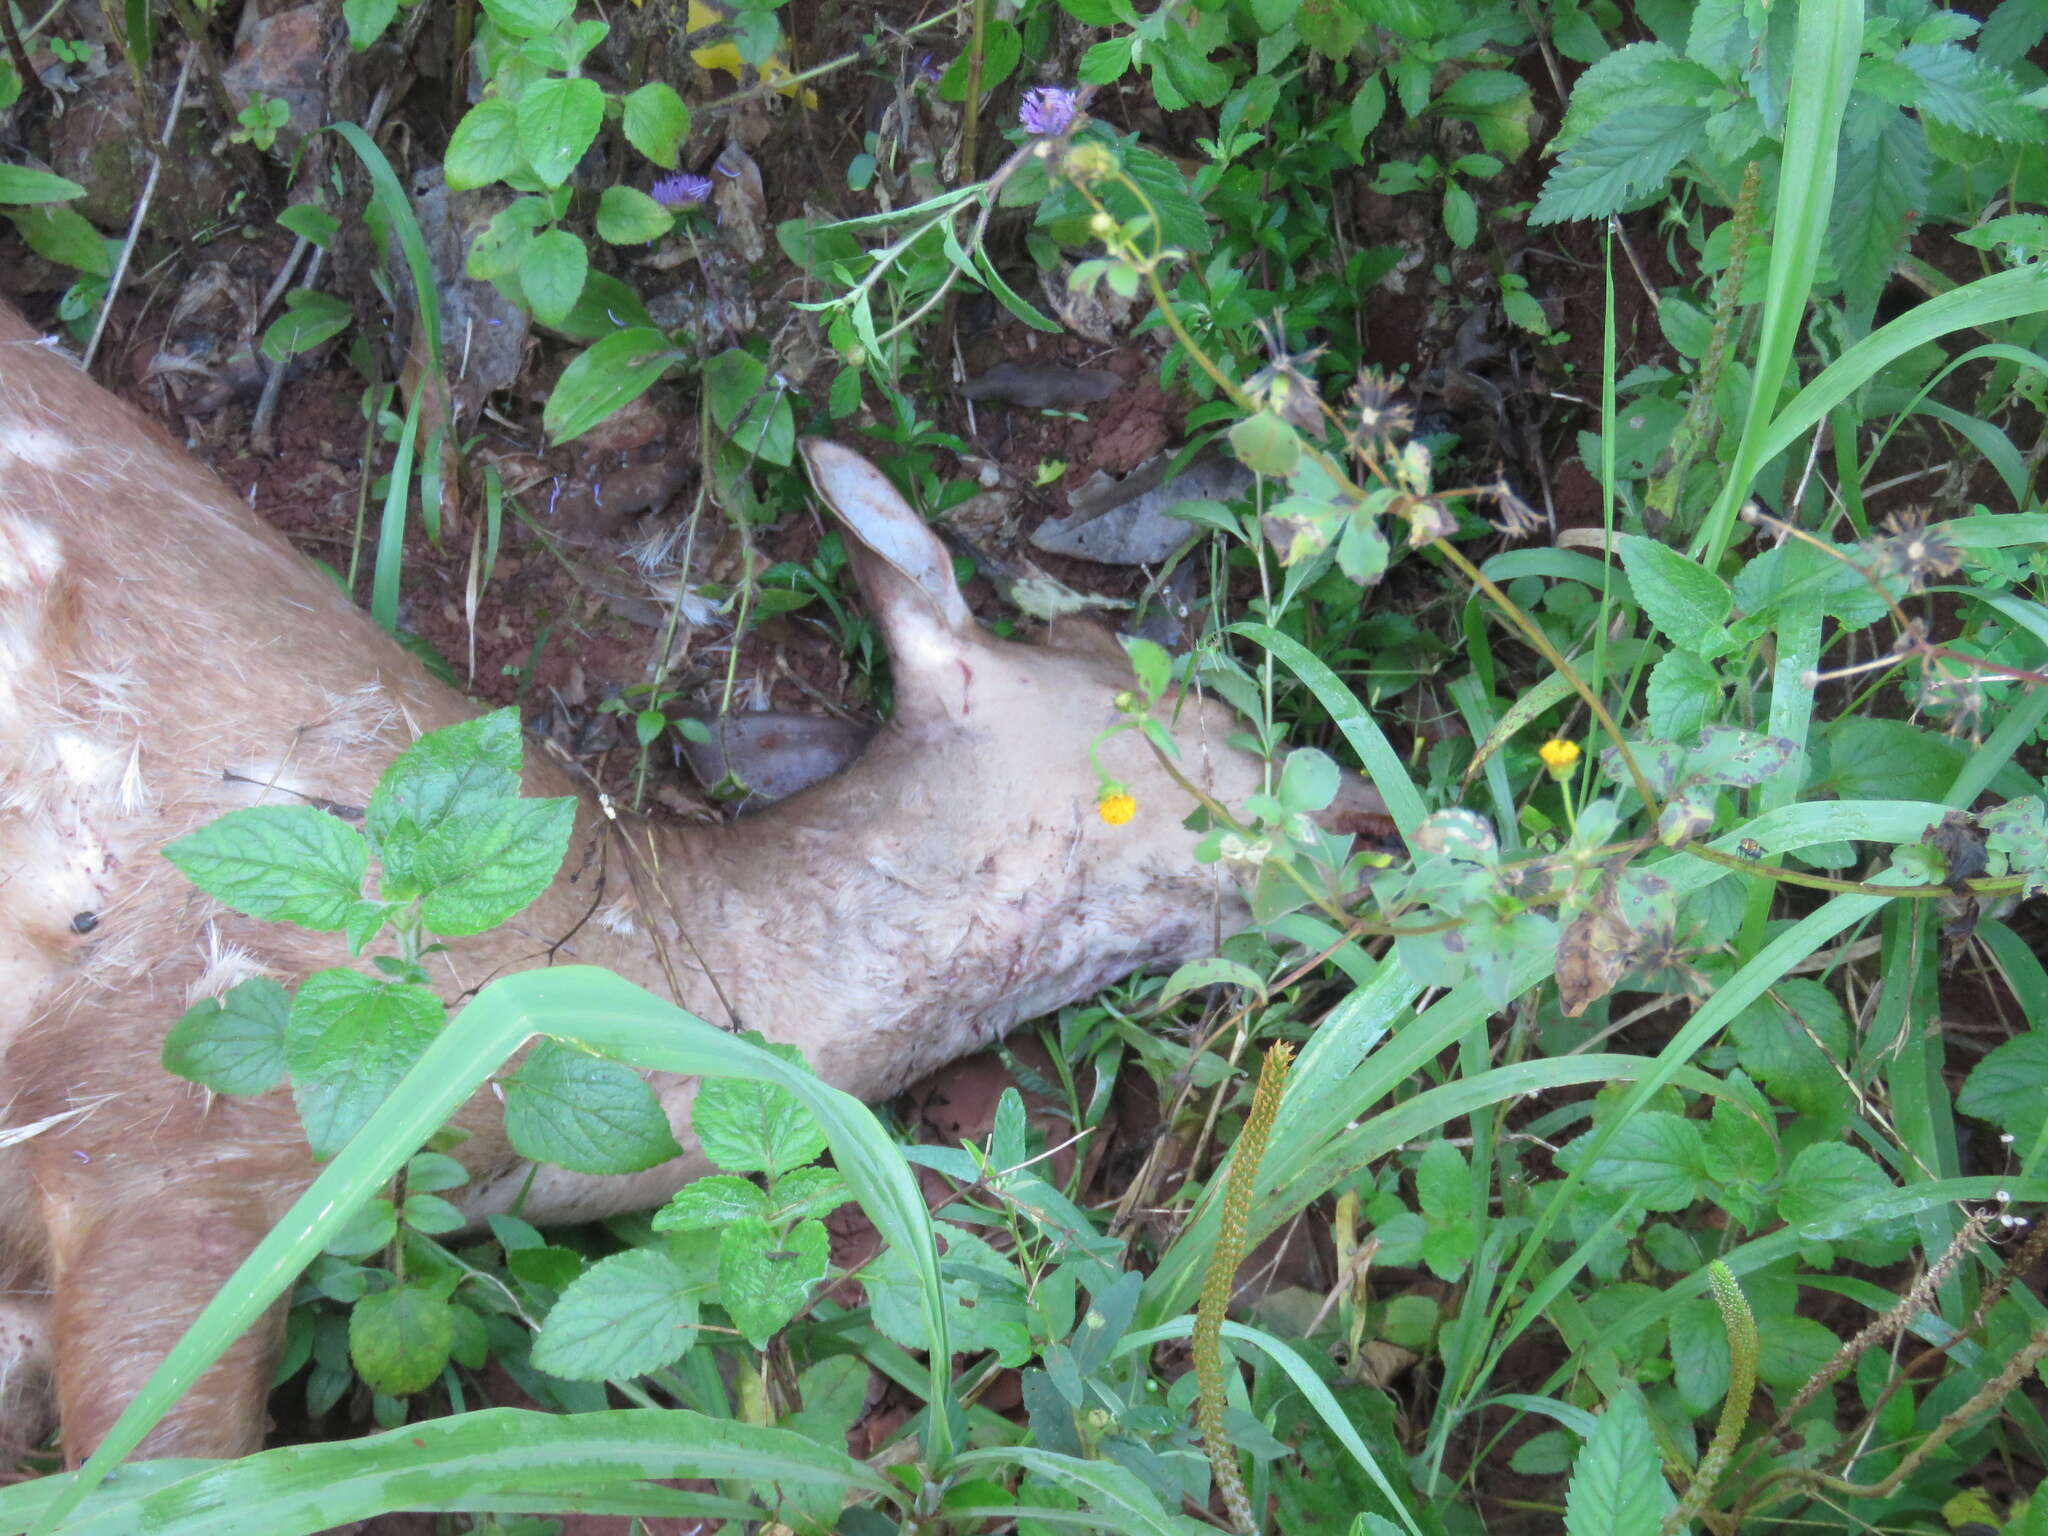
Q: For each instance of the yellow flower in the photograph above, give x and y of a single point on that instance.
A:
(1116, 807)
(1560, 757)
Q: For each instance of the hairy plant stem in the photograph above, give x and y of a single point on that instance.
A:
(1207, 1340)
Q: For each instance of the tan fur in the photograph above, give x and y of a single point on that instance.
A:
(153, 633)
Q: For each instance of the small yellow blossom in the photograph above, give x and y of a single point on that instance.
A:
(1116, 807)
(1560, 757)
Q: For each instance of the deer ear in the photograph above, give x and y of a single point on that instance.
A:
(901, 566)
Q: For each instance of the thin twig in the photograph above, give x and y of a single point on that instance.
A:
(156, 165)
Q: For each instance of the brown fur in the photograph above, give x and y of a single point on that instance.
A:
(153, 633)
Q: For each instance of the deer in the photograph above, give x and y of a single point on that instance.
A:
(165, 657)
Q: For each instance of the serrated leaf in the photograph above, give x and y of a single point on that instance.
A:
(1790, 1041)
(746, 1126)
(984, 1301)
(764, 1278)
(552, 269)
(2005, 1088)
(714, 1201)
(628, 216)
(458, 769)
(1791, 1349)
(281, 863)
(627, 1315)
(399, 1339)
(1683, 695)
(1617, 1486)
(2018, 831)
(557, 121)
(1881, 185)
(349, 1041)
(1963, 92)
(1872, 759)
(655, 122)
(479, 870)
(232, 1044)
(585, 1113)
(1618, 162)
(484, 147)
(1654, 1156)
(1637, 75)
(1687, 602)
(1826, 1179)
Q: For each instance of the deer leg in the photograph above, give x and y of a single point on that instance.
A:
(128, 1280)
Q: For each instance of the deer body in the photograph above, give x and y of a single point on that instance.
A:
(165, 657)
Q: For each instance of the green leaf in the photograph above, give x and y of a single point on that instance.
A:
(484, 147)
(765, 1277)
(480, 870)
(2006, 1088)
(1654, 1156)
(656, 122)
(714, 1201)
(1699, 1355)
(453, 772)
(558, 120)
(1617, 1486)
(551, 273)
(281, 863)
(1790, 1041)
(585, 1113)
(1739, 1150)
(64, 236)
(1827, 1178)
(1791, 1349)
(429, 1171)
(1639, 75)
(19, 184)
(1683, 694)
(2018, 832)
(1961, 91)
(350, 1039)
(628, 216)
(627, 1315)
(367, 20)
(984, 1301)
(612, 374)
(399, 1339)
(747, 1126)
(1330, 27)
(1443, 1185)
(1003, 46)
(1873, 759)
(529, 18)
(1881, 185)
(233, 1044)
(309, 319)
(1461, 216)
(1623, 159)
(1685, 600)
(1265, 444)
(749, 407)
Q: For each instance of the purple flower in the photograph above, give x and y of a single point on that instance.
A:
(928, 71)
(1048, 110)
(682, 190)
